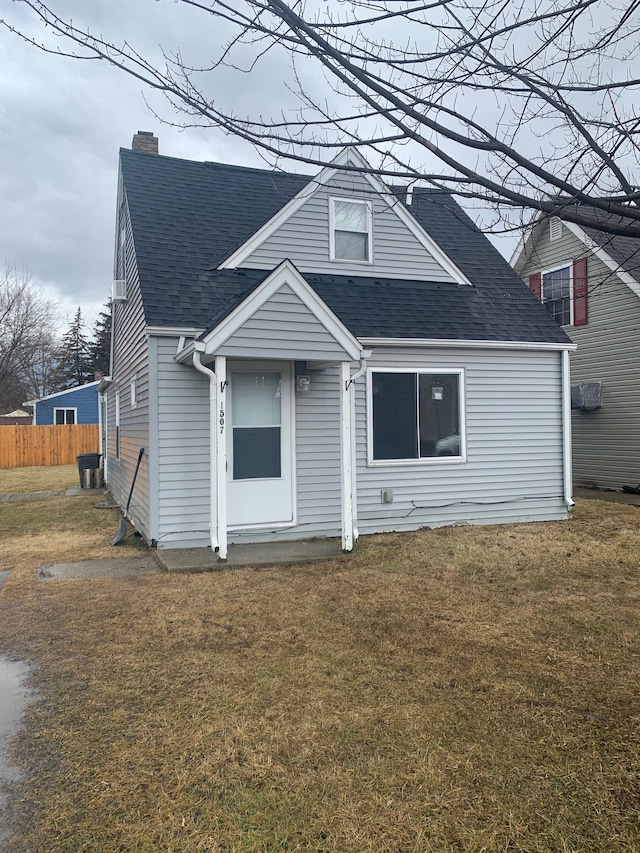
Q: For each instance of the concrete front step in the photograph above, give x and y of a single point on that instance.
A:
(261, 554)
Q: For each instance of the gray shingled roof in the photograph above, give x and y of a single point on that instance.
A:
(187, 217)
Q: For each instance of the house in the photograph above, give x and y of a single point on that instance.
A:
(77, 405)
(16, 418)
(590, 282)
(322, 356)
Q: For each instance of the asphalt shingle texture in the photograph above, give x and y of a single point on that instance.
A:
(187, 217)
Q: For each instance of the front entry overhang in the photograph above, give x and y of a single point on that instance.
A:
(282, 319)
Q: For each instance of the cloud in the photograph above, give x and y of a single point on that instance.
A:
(62, 122)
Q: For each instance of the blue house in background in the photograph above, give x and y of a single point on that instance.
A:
(74, 406)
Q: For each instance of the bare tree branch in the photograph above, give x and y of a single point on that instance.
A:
(525, 105)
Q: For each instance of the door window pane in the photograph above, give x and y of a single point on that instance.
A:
(255, 398)
(256, 415)
(256, 452)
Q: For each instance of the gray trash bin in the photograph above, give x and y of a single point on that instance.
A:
(87, 462)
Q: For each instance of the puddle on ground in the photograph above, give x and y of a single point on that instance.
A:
(13, 697)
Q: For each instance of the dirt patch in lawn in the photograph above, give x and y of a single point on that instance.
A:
(463, 689)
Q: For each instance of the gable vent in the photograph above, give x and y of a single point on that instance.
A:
(555, 228)
(119, 290)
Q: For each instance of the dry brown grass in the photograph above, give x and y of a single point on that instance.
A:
(55, 478)
(467, 689)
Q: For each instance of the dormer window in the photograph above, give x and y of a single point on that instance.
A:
(350, 225)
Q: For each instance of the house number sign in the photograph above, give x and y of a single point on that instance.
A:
(223, 385)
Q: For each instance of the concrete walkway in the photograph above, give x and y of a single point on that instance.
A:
(263, 554)
(35, 496)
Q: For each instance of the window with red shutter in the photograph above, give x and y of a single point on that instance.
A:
(564, 292)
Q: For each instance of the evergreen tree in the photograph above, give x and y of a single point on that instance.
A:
(100, 347)
(74, 362)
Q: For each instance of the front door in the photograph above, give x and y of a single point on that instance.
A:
(259, 454)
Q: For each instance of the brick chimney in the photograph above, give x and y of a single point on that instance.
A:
(145, 141)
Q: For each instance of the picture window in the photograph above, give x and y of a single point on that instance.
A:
(416, 415)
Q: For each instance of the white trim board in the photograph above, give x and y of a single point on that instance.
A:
(346, 157)
(445, 342)
(174, 331)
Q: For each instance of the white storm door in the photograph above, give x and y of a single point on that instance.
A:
(259, 454)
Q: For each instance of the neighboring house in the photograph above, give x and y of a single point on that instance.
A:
(77, 405)
(322, 356)
(16, 418)
(590, 281)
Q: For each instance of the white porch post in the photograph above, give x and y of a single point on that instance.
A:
(346, 455)
(220, 426)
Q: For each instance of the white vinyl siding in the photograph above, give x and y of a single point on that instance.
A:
(130, 359)
(606, 443)
(513, 470)
(305, 239)
(513, 467)
(183, 451)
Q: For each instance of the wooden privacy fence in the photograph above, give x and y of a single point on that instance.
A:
(22, 446)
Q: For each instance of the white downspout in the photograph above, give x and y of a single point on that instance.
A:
(354, 458)
(213, 479)
(103, 443)
(566, 431)
(346, 455)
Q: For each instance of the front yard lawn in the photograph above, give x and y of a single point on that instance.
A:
(55, 478)
(462, 689)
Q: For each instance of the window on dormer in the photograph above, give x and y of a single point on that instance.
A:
(351, 237)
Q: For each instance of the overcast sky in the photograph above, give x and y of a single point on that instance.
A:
(62, 122)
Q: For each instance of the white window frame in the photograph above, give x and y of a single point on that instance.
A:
(564, 266)
(66, 409)
(133, 389)
(332, 229)
(421, 460)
